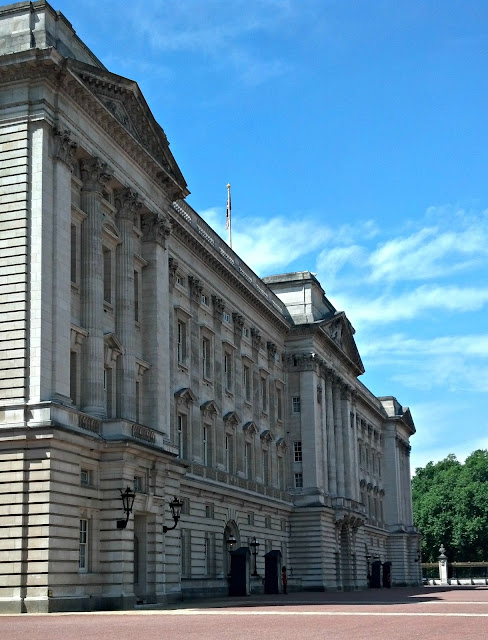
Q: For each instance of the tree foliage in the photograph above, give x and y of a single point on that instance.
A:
(450, 507)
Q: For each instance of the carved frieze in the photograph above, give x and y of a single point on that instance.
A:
(271, 350)
(238, 322)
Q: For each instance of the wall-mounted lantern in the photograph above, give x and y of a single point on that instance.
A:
(175, 505)
(127, 498)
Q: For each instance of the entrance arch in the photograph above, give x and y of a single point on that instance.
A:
(231, 529)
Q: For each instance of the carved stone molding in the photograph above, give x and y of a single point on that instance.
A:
(231, 419)
(210, 408)
(64, 146)
(271, 349)
(250, 429)
(218, 306)
(196, 288)
(256, 338)
(95, 174)
(172, 269)
(127, 204)
(155, 228)
(281, 445)
(185, 396)
(266, 436)
(238, 322)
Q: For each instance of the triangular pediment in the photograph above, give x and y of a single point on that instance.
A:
(123, 100)
(231, 418)
(210, 407)
(185, 395)
(340, 331)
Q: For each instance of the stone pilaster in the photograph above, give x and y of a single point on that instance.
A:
(331, 458)
(155, 297)
(218, 310)
(323, 428)
(94, 174)
(64, 150)
(126, 202)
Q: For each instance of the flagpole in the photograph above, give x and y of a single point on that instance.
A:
(228, 221)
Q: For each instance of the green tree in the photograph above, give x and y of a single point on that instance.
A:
(450, 506)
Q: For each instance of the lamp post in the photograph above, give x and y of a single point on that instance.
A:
(231, 542)
(127, 498)
(254, 544)
(175, 505)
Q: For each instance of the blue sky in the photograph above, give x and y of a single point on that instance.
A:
(354, 136)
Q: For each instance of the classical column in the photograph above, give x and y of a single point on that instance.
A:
(155, 336)
(64, 149)
(126, 202)
(218, 310)
(331, 459)
(336, 392)
(354, 434)
(94, 175)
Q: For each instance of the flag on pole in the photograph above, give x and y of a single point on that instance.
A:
(227, 218)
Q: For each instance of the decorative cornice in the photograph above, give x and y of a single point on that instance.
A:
(256, 338)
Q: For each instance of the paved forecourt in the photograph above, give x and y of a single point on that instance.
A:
(431, 613)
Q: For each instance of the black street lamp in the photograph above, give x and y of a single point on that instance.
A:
(175, 505)
(231, 542)
(127, 497)
(254, 544)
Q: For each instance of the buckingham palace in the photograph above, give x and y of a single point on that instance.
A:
(164, 412)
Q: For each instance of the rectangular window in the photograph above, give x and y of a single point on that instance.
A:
(138, 401)
(137, 293)
(229, 454)
(210, 554)
(267, 522)
(204, 299)
(209, 511)
(264, 394)
(228, 371)
(295, 404)
(248, 460)
(73, 377)
(107, 276)
(265, 467)
(182, 435)
(74, 254)
(281, 478)
(83, 548)
(297, 450)
(279, 403)
(250, 519)
(108, 387)
(245, 332)
(139, 484)
(206, 362)
(206, 446)
(226, 316)
(181, 341)
(246, 382)
(298, 480)
(185, 553)
(85, 477)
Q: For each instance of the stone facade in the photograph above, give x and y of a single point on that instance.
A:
(139, 350)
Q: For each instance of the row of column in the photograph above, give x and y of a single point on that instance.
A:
(95, 175)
